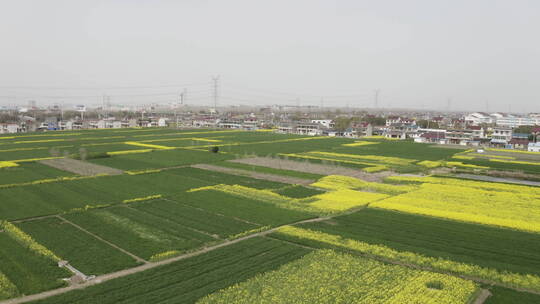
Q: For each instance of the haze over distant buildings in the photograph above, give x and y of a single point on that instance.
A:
(477, 55)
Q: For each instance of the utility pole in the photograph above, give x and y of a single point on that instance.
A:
(376, 98)
(215, 79)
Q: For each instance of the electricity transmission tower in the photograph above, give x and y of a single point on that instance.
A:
(376, 98)
(216, 87)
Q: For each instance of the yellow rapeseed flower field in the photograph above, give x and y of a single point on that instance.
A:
(326, 276)
(510, 206)
(440, 264)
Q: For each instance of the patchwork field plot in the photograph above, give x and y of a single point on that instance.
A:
(329, 277)
(385, 234)
(249, 210)
(142, 234)
(188, 280)
(84, 252)
(24, 271)
(511, 206)
(325, 220)
(28, 172)
(199, 219)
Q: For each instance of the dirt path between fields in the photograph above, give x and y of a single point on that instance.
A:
(80, 167)
(257, 175)
(482, 297)
(304, 166)
(147, 266)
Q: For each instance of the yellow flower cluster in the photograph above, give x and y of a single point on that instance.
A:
(507, 278)
(164, 255)
(463, 157)
(7, 288)
(87, 207)
(512, 151)
(466, 183)
(27, 241)
(360, 143)
(326, 276)
(205, 139)
(50, 180)
(460, 164)
(129, 152)
(139, 144)
(140, 199)
(38, 141)
(499, 208)
(430, 164)
(143, 171)
(246, 233)
(375, 158)
(29, 160)
(493, 156)
(8, 164)
(339, 182)
(519, 162)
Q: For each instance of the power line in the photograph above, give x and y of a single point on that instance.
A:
(103, 88)
(216, 85)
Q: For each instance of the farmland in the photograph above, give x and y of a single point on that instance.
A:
(172, 221)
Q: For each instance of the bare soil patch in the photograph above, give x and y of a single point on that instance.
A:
(80, 167)
(285, 164)
(257, 175)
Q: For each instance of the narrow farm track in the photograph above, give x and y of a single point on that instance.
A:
(482, 297)
(148, 265)
(138, 259)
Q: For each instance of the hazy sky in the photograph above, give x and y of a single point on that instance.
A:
(418, 53)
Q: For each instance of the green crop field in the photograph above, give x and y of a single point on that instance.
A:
(469, 243)
(28, 271)
(141, 233)
(154, 227)
(186, 281)
(85, 252)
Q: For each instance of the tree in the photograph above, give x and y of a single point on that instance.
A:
(342, 123)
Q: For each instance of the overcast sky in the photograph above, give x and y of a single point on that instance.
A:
(419, 53)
